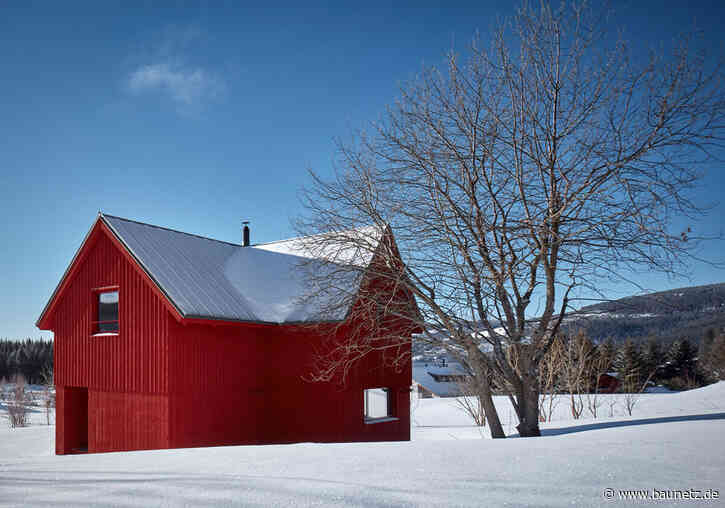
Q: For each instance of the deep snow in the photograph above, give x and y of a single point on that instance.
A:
(672, 441)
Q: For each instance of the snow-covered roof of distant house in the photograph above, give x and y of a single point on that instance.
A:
(424, 372)
(449, 369)
(481, 335)
(212, 279)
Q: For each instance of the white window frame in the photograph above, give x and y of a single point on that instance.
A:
(369, 407)
(98, 324)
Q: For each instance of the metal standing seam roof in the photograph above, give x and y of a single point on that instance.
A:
(212, 279)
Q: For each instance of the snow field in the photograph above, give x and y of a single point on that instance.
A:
(672, 441)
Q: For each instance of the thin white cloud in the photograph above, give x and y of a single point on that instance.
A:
(185, 85)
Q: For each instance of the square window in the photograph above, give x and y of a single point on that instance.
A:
(107, 321)
(377, 403)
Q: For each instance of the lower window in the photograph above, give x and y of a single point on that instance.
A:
(378, 403)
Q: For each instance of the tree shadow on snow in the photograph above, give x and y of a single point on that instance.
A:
(628, 423)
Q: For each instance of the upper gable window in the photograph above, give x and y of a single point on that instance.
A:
(107, 312)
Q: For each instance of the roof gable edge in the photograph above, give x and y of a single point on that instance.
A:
(69, 269)
(100, 226)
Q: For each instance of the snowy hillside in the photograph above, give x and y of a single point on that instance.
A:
(667, 315)
(672, 441)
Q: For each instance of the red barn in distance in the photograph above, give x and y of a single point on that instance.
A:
(165, 339)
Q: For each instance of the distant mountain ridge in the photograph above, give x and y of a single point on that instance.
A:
(667, 315)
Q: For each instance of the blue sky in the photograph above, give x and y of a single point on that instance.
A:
(194, 118)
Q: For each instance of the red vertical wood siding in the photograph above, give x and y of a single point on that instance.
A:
(132, 365)
(61, 413)
(127, 421)
(240, 384)
(213, 386)
(136, 359)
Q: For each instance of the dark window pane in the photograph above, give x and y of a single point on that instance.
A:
(108, 311)
(108, 327)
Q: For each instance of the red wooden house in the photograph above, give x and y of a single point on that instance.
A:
(165, 339)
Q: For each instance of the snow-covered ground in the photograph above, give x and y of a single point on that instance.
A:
(672, 441)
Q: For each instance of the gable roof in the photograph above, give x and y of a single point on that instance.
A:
(211, 279)
(427, 374)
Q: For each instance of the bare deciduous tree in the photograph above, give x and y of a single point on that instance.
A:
(612, 402)
(512, 182)
(48, 392)
(550, 371)
(599, 366)
(18, 404)
(470, 400)
(633, 387)
(577, 355)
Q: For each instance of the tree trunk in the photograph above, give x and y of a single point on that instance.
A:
(481, 370)
(528, 413)
(489, 410)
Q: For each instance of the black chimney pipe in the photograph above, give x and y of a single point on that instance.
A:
(245, 235)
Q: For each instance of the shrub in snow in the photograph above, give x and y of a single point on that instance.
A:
(48, 392)
(17, 405)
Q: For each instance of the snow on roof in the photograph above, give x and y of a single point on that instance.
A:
(449, 369)
(352, 247)
(422, 375)
(211, 279)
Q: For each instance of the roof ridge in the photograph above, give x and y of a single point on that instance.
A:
(169, 229)
(316, 234)
(278, 241)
